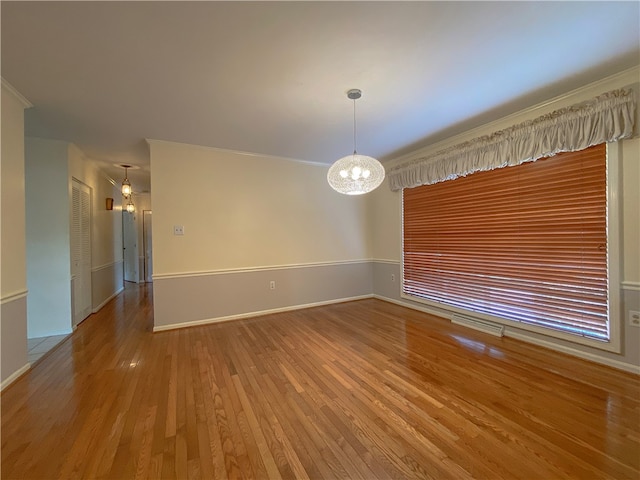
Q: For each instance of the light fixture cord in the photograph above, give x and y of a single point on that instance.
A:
(354, 126)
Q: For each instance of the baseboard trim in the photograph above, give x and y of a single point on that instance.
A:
(259, 313)
(541, 343)
(14, 376)
(114, 295)
(574, 352)
(420, 308)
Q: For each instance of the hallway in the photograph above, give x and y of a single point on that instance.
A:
(352, 390)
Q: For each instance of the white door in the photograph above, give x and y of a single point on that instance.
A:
(148, 245)
(130, 246)
(81, 251)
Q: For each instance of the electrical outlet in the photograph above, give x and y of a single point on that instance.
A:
(634, 318)
(272, 285)
(178, 229)
(393, 277)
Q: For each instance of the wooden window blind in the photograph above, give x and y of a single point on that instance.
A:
(525, 243)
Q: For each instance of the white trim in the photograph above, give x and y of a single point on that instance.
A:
(11, 89)
(420, 308)
(613, 345)
(151, 141)
(105, 175)
(528, 339)
(614, 242)
(14, 296)
(632, 286)
(259, 313)
(384, 260)
(106, 265)
(625, 78)
(491, 328)
(14, 376)
(162, 276)
(574, 352)
(115, 294)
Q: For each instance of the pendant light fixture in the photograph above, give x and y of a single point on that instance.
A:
(126, 184)
(355, 174)
(130, 206)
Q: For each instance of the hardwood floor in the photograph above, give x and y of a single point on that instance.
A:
(365, 389)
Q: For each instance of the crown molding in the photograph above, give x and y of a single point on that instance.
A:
(624, 79)
(10, 88)
(152, 141)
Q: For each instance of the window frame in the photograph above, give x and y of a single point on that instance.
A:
(613, 168)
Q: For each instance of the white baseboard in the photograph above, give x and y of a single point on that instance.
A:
(420, 308)
(240, 316)
(14, 376)
(627, 367)
(115, 294)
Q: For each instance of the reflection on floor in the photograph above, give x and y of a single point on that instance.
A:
(37, 347)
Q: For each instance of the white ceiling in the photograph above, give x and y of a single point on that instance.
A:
(271, 77)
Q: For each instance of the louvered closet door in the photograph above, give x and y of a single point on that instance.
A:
(81, 251)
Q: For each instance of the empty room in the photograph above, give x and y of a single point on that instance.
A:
(321, 240)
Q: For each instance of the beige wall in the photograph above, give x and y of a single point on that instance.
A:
(386, 223)
(142, 202)
(14, 274)
(243, 211)
(13, 268)
(386, 228)
(631, 211)
(249, 220)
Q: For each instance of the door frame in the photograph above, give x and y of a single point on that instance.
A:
(148, 259)
(136, 267)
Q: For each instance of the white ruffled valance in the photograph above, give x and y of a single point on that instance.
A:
(606, 118)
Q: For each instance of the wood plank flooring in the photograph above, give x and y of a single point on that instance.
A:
(365, 390)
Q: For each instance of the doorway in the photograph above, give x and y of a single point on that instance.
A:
(147, 245)
(130, 247)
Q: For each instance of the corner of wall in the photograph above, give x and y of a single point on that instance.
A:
(13, 276)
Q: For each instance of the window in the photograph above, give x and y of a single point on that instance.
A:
(526, 244)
